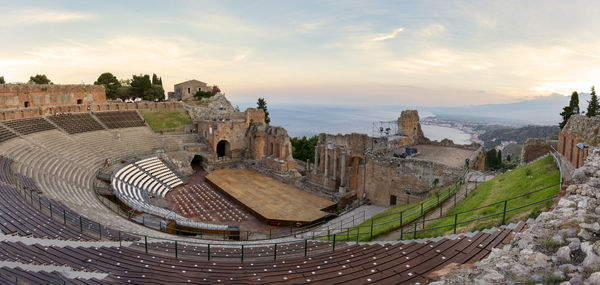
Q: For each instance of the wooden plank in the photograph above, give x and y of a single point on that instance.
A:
(268, 197)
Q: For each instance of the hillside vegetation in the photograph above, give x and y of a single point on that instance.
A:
(493, 137)
(535, 176)
(167, 120)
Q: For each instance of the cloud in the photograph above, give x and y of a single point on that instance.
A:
(240, 57)
(383, 37)
(431, 30)
(35, 16)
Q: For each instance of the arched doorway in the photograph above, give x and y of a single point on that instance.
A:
(223, 148)
(196, 161)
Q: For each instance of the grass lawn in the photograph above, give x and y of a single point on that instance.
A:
(390, 219)
(167, 120)
(519, 181)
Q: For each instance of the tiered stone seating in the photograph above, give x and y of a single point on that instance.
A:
(20, 217)
(62, 146)
(120, 119)
(133, 186)
(149, 175)
(6, 134)
(350, 263)
(21, 276)
(76, 123)
(130, 140)
(204, 202)
(5, 173)
(29, 125)
(63, 167)
(159, 171)
(27, 183)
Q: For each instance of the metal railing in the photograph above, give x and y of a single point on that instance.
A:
(419, 225)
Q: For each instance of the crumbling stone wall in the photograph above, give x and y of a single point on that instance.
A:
(247, 134)
(214, 108)
(535, 148)
(561, 244)
(271, 145)
(20, 113)
(338, 160)
(579, 129)
(37, 95)
(369, 166)
(399, 177)
(410, 126)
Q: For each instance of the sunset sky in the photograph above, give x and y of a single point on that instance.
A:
(428, 53)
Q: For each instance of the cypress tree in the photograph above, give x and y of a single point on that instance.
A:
(499, 159)
(593, 105)
(262, 104)
(568, 110)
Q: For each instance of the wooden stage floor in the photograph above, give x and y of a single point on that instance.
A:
(269, 198)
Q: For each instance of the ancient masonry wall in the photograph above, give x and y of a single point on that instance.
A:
(561, 244)
(37, 95)
(399, 177)
(535, 148)
(20, 113)
(579, 129)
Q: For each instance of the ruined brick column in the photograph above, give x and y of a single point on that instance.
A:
(316, 165)
(343, 173)
(334, 163)
(326, 167)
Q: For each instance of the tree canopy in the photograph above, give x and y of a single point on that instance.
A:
(139, 86)
(262, 104)
(2, 80)
(593, 105)
(304, 148)
(110, 83)
(39, 79)
(156, 80)
(142, 87)
(569, 110)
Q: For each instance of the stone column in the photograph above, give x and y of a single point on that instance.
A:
(326, 168)
(316, 159)
(334, 163)
(343, 174)
(307, 165)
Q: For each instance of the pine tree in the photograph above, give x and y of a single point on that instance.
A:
(491, 158)
(2, 80)
(593, 104)
(568, 110)
(262, 104)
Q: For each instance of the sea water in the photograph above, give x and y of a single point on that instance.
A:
(312, 120)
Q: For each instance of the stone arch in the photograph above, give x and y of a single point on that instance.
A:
(223, 148)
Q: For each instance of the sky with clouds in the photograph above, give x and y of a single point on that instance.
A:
(422, 53)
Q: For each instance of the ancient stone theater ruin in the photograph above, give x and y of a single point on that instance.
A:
(91, 194)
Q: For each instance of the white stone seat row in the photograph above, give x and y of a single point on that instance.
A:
(160, 171)
(132, 175)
